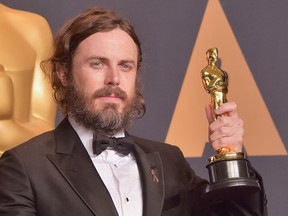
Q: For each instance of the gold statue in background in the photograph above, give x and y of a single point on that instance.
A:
(26, 103)
(215, 81)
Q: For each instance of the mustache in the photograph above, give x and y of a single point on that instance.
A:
(109, 90)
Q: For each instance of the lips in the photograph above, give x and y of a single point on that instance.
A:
(110, 97)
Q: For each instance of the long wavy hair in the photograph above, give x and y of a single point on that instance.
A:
(90, 21)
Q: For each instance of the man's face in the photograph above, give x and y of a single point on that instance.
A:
(104, 70)
(106, 59)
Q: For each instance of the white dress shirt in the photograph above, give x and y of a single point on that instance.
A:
(119, 173)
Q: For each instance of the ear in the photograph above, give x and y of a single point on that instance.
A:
(62, 74)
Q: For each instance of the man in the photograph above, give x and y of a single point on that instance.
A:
(95, 74)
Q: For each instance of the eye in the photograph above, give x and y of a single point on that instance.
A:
(96, 64)
(126, 67)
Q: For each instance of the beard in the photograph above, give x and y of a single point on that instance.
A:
(107, 120)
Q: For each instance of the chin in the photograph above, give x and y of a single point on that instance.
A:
(109, 106)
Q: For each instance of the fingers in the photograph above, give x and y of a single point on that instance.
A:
(209, 113)
(226, 121)
(227, 129)
(227, 134)
(229, 108)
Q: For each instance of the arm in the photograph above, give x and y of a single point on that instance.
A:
(16, 196)
(227, 130)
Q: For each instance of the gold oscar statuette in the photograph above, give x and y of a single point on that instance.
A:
(27, 107)
(228, 169)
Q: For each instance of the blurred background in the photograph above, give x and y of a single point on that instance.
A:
(252, 40)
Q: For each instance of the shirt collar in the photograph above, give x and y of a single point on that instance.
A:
(86, 135)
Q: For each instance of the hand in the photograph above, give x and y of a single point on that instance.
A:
(227, 130)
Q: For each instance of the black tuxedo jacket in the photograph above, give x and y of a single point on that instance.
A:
(53, 175)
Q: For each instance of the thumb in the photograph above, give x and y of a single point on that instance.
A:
(209, 113)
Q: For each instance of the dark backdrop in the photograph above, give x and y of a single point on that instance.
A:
(168, 30)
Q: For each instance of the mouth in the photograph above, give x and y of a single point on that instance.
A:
(111, 98)
(111, 94)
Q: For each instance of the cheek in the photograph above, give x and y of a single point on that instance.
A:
(130, 90)
(130, 84)
(85, 90)
(88, 86)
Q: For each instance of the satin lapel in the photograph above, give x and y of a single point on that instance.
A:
(151, 171)
(73, 162)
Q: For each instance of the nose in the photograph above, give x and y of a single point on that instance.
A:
(112, 77)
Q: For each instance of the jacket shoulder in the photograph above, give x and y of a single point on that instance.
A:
(153, 144)
(43, 142)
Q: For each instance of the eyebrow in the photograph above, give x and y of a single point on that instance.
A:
(128, 61)
(95, 58)
(106, 59)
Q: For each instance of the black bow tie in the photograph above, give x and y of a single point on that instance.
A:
(122, 145)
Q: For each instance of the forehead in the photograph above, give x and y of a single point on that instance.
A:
(112, 44)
